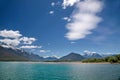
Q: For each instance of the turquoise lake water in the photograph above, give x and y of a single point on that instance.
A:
(58, 71)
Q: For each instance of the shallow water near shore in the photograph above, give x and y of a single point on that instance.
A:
(58, 71)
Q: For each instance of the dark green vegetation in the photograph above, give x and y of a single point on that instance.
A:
(111, 59)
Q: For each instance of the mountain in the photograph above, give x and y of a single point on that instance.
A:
(10, 54)
(107, 55)
(72, 57)
(14, 54)
(88, 54)
(50, 58)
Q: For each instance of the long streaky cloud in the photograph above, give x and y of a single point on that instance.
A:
(30, 47)
(84, 18)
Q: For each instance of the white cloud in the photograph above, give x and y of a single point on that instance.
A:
(90, 6)
(51, 12)
(58, 3)
(67, 3)
(5, 46)
(86, 51)
(10, 38)
(44, 51)
(52, 56)
(27, 40)
(30, 47)
(84, 19)
(10, 34)
(55, 56)
(89, 52)
(67, 19)
(53, 4)
(10, 42)
(72, 42)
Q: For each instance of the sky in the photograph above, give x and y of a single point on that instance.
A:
(58, 27)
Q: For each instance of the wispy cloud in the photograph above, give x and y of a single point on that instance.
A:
(58, 3)
(53, 4)
(72, 42)
(27, 40)
(44, 51)
(30, 47)
(103, 34)
(51, 12)
(52, 56)
(67, 19)
(84, 18)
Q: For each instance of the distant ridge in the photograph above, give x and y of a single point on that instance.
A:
(88, 54)
(14, 54)
(9, 54)
(50, 58)
(72, 57)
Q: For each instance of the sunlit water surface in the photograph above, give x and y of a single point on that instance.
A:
(58, 71)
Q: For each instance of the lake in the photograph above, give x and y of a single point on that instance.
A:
(58, 71)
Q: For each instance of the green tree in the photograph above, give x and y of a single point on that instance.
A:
(112, 59)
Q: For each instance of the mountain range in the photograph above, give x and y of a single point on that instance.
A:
(10, 54)
(14, 54)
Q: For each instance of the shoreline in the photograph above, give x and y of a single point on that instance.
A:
(59, 62)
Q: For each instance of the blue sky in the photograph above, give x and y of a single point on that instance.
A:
(46, 24)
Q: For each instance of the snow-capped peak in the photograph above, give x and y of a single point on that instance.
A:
(89, 54)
